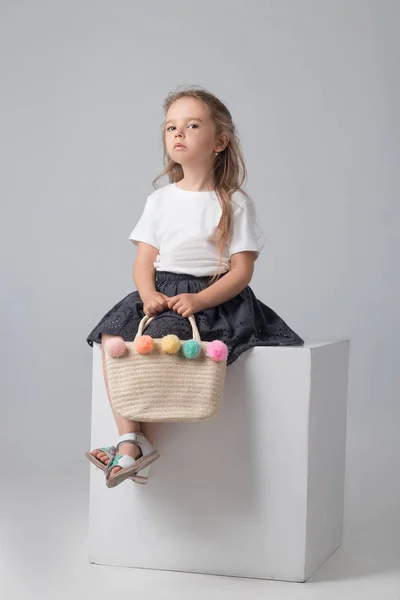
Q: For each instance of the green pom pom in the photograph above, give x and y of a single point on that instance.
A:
(191, 348)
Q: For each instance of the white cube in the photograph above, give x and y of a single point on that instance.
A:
(255, 492)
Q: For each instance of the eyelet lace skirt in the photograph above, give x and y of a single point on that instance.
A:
(242, 322)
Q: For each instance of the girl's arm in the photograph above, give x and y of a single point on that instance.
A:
(144, 269)
(239, 276)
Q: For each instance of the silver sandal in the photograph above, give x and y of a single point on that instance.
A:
(142, 464)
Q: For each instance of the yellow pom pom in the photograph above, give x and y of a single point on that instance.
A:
(170, 344)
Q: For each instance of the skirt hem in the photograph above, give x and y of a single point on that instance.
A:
(241, 322)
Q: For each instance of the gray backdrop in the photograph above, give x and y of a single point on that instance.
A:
(314, 89)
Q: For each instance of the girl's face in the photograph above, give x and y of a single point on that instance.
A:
(188, 122)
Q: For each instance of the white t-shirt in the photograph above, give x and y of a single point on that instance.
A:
(182, 226)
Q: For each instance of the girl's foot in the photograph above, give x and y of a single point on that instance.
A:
(124, 448)
(131, 463)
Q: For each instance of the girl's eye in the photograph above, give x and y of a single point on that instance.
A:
(173, 126)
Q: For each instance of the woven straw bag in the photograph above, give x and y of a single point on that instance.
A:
(158, 386)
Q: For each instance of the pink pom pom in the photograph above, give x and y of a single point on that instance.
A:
(217, 350)
(115, 347)
(144, 344)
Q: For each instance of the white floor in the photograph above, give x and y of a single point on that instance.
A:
(43, 555)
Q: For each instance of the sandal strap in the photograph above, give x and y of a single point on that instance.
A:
(134, 437)
(106, 449)
(139, 439)
(118, 460)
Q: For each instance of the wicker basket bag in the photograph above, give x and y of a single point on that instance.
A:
(166, 379)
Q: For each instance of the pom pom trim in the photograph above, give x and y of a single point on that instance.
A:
(216, 350)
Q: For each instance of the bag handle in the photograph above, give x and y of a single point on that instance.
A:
(147, 320)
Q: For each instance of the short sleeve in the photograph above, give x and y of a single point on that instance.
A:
(145, 229)
(245, 233)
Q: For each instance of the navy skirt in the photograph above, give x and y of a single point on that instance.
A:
(242, 322)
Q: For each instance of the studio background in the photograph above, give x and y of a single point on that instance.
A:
(313, 88)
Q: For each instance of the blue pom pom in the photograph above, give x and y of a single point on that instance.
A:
(191, 348)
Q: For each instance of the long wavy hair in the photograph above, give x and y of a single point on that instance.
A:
(229, 169)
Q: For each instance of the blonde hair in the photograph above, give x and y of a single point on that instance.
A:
(229, 168)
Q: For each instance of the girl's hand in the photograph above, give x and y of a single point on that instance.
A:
(154, 302)
(185, 304)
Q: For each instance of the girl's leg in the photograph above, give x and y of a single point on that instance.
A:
(124, 425)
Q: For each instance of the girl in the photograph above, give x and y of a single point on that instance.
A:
(196, 247)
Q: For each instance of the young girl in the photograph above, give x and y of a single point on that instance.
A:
(196, 246)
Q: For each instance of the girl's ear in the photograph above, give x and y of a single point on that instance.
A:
(223, 141)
